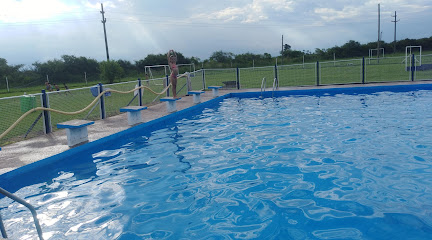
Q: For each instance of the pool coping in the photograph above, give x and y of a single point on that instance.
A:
(52, 147)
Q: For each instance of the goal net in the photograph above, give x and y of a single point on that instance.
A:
(409, 50)
(160, 71)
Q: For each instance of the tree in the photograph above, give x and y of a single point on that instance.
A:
(195, 60)
(222, 57)
(53, 68)
(75, 67)
(128, 68)
(110, 70)
(267, 56)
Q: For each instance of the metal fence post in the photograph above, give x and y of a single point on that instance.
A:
(363, 70)
(46, 114)
(203, 78)
(317, 74)
(413, 68)
(238, 78)
(167, 83)
(276, 74)
(102, 102)
(139, 92)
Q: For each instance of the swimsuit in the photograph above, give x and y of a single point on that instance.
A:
(173, 66)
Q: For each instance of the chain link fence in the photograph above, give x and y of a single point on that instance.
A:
(368, 70)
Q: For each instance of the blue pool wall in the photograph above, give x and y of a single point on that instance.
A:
(49, 168)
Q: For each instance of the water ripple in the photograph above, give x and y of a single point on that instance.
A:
(303, 167)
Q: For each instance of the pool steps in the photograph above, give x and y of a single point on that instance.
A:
(170, 103)
(196, 96)
(76, 131)
(133, 114)
(215, 90)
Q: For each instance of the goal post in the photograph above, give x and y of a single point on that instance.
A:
(375, 50)
(372, 50)
(158, 71)
(409, 51)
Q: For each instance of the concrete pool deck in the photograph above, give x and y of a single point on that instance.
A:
(21, 153)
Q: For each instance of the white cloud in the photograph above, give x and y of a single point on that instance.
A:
(331, 14)
(97, 5)
(46, 29)
(252, 12)
(369, 9)
(12, 11)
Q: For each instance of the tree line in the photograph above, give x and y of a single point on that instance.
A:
(71, 69)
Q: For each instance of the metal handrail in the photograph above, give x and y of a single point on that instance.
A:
(275, 86)
(26, 204)
(263, 85)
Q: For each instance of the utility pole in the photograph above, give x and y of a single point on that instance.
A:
(379, 32)
(282, 51)
(282, 45)
(103, 22)
(7, 84)
(394, 42)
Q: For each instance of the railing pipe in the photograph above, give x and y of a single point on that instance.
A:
(263, 85)
(2, 228)
(275, 85)
(26, 204)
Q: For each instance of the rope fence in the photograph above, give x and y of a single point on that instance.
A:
(96, 100)
(23, 117)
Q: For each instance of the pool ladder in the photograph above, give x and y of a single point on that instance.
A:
(263, 86)
(27, 205)
(275, 86)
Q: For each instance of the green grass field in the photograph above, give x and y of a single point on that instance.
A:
(339, 72)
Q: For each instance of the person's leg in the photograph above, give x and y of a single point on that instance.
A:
(174, 85)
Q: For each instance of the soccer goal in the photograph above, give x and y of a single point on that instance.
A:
(160, 71)
(409, 50)
(156, 71)
(373, 53)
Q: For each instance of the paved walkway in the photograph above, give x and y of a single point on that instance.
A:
(25, 152)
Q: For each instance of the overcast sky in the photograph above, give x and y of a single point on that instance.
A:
(41, 30)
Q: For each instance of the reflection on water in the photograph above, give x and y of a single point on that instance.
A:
(305, 167)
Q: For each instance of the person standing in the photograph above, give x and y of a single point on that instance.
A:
(172, 60)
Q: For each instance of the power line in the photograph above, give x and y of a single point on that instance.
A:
(48, 22)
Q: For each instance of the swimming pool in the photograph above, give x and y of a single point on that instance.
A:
(314, 164)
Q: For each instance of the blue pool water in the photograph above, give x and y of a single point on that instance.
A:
(324, 166)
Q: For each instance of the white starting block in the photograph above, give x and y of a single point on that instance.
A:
(196, 96)
(170, 103)
(76, 131)
(133, 114)
(215, 90)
